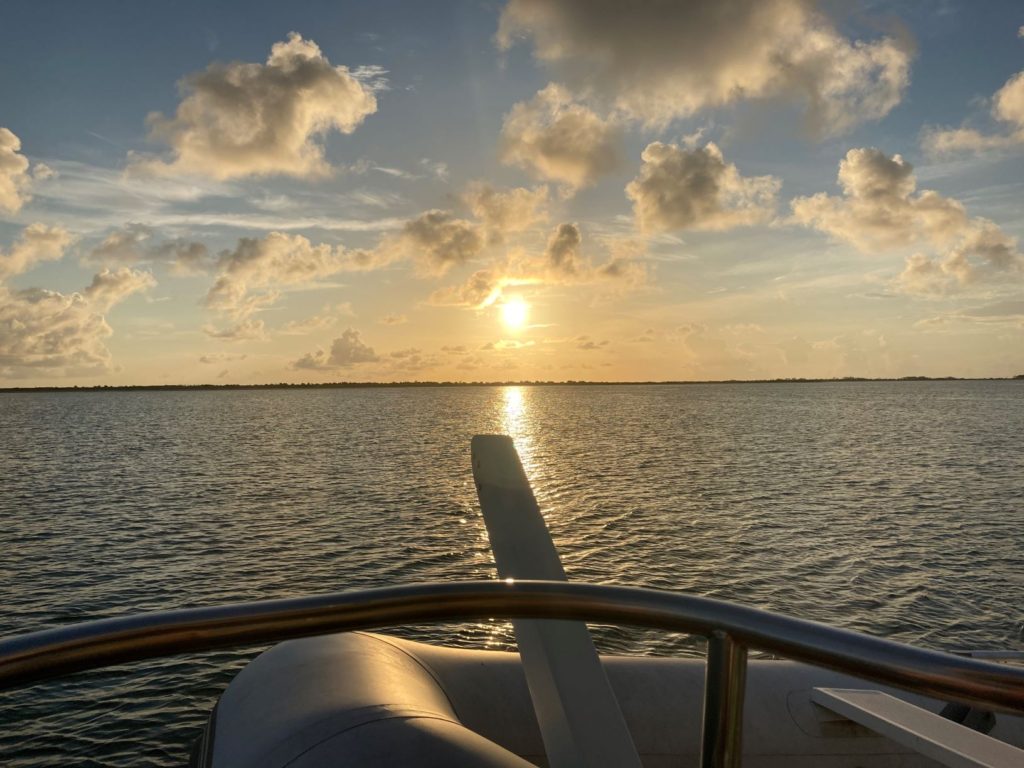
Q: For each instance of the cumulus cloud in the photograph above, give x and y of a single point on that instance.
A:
(554, 138)
(137, 243)
(49, 332)
(14, 175)
(394, 320)
(880, 208)
(563, 262)
(659, 61)
(109, 287)
(245, 119)
(680, 188)
(625, 266)
(563, 254)
(983, 254)
(504, 212)
(346, 351)
(435, 241)
(36, 244)
(480, 290)
(1007, 108)
(123, 245)
(186, 257)
(249, 276)
(42, 172)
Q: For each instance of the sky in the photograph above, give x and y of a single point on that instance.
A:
(257, 192)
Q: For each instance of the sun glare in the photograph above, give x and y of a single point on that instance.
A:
(514, 313)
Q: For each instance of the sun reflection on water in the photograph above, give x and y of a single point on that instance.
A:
(513, 407)
(516, 421)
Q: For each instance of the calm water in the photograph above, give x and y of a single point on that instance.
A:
(895, 509)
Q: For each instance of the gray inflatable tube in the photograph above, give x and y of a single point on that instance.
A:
(361, 699)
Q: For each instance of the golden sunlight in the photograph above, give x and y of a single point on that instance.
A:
(515, 312)
(515, 420)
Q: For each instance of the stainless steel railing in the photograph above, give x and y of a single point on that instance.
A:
(731, 629)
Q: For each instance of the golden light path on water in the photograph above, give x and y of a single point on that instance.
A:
(515, 422)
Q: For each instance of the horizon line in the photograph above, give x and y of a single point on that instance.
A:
(495, 383)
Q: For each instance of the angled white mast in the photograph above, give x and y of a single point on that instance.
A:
(579, 716)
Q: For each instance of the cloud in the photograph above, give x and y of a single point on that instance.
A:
(186, 257)
(504, 212)
(346, 351)
(243, 119)
(137, 243)
(1007, 108)
(587, 344)
(435, 241)
(983, 254)
(51, 332)
(625, 266)
(562, 263)
(658, 61)
(401, 354)
(556, 139)
(14, 175)
(220, 357)
(397, 173)
(394, 320)
(1010, 308)
(92, 201)
(123, 245)
(435, 168)
(563, 254)
(249, 276)
(109, 287)
(324, 319)
(249, 329)
(1009, 312)
(37, 243)
(480, 290)
(880, 209)
(42, 172)
(695, 188)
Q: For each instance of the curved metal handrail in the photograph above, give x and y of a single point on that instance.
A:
(63, 650)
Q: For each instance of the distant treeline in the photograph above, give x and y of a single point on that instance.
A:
(524, 383)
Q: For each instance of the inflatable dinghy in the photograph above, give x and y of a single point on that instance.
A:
(336, 695)
(360, 699)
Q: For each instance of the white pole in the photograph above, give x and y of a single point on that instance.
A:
(579, 716)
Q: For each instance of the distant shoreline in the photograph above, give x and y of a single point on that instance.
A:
(527, 383)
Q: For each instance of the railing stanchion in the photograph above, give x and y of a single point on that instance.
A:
(724, 688)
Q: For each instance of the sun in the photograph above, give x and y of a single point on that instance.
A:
(514, 313)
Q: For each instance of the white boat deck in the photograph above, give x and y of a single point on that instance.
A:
(925, 732)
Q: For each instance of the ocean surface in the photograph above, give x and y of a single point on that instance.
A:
(890, 508)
